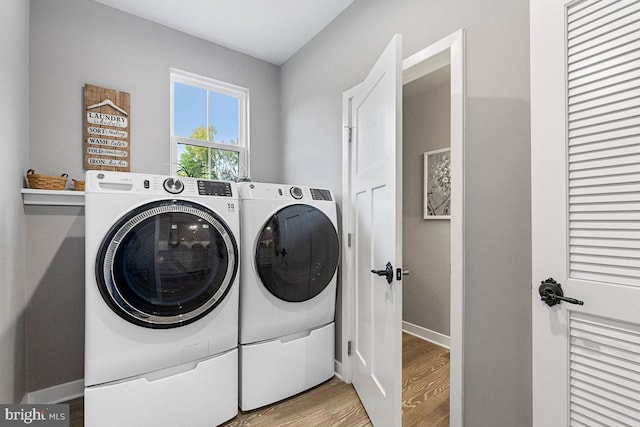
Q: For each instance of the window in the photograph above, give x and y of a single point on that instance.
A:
(209, 127)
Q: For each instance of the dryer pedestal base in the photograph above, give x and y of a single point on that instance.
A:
(273, 370)
(203, 395)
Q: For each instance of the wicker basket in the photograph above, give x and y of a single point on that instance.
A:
(46, 182)
(78, 185)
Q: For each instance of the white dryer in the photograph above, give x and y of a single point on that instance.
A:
(287, 290)
(161, 300)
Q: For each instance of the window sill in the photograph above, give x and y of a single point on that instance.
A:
(52, 197)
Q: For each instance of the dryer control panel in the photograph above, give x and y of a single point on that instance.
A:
(266, 191)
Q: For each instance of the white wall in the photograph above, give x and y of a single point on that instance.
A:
(426, 244)
(497, 341)
(74, 42)
(14, 122)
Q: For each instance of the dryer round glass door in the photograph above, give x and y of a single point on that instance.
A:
(297, 253)
(166, 264)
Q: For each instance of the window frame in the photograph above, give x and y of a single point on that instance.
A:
(213, 85)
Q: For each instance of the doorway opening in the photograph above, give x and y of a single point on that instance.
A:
(444, 60)
(426, 243)
(448, 52)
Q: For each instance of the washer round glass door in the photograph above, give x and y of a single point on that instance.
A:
(297, 253)
(166, 264)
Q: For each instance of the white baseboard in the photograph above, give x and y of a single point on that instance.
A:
(427, 334)
(56, 394)
(337, 368)
(415, 330)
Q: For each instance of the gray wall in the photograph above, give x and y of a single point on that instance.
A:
(497, 341)
(74, 42)
(55, 296)
(14, 122)
(426, 244)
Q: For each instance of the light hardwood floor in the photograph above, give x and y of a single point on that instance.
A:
(425, 397)
(425, 383)
(332, 403)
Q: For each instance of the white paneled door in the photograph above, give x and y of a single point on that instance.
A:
(585, 125)
(376, 224)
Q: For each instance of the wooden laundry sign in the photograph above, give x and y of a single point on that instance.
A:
(107, 127)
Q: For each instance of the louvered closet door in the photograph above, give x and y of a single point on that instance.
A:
(585, 121)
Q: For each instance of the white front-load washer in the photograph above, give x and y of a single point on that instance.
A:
(287, 290)
(161, 300)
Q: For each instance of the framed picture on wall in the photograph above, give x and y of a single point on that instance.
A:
(437, 184)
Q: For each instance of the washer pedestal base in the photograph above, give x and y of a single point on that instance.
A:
(203, 394)
(273, 370)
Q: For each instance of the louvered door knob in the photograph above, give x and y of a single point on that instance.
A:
(551, 293)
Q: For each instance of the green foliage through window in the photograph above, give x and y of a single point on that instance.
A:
(205, 162)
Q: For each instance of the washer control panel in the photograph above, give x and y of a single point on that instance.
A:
(173, 185)
(296, 193)
(161, 185)
(214, 188)
(320, 194)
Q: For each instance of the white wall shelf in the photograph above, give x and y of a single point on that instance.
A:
(52, 197)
